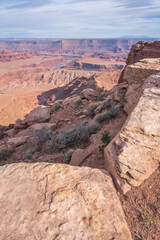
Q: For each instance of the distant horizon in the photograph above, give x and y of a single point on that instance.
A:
(123, 38)
(73, 19)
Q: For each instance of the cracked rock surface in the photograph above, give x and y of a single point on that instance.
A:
(55, 201)
(133, 155)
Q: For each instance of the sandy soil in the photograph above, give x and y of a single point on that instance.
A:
(142, 209)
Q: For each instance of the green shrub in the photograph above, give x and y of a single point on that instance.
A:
(146, 217)
(122, 105)
(6, 153)
(90, 110)
(57, 107)
(79, 101)
(106, 138)
(68, 156)
(104, 117)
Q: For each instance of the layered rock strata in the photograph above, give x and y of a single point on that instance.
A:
(134, 153)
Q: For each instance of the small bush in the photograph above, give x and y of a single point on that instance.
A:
(101, 96)
(45, 141)
(29, 154)
(106, 138)
(79, 101)
(6, 153)
(79, 134)
(57, 107)
(108, 104)
(68, 156)
(146, 217)
(122, 106)
(115, 111)
(104, 117)
(90, 110)
(92, 128)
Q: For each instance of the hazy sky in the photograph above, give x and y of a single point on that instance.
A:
(79, 18)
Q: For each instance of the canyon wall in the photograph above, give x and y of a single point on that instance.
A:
(140, 51)
(73, 45)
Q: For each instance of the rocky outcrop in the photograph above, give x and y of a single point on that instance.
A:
(89, 94)
(85, 66)
(38, 115)
(54, 201)
(74, 87)
(135, 76)
(139, 51)
(143, 50)
(134, 153)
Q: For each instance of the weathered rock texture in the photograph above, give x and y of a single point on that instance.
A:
(135, 75)
(54, 201)
(141, 50)
(134, 153)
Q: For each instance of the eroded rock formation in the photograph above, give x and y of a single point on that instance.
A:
(134, 153)
(75, 45)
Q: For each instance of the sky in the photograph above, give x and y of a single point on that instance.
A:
(79, 18)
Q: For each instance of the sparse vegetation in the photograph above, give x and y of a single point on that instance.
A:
(104, 117)
(108, 104)
(107, 116)
(92, 128)
(29, 153)
(79, 101)
(122, 105)
(102, 95)
(140, 237)
(90, 110)
(146, 217)
(68, 156)
(106, 138)
(6, 153)
(79, 134)
(44, 140)
(57, 107)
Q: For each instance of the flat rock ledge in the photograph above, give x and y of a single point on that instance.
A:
(57, 201)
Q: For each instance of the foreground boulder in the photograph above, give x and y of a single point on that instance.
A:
(133, 155)
(54, 201)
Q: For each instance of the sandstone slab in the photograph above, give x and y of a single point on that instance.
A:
(16, 141)
(38, 115)
(134, 153)
(78, 156)
(56, 201)
(135, 75)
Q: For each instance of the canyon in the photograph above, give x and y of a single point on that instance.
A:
(29, 68)
(84, 163)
